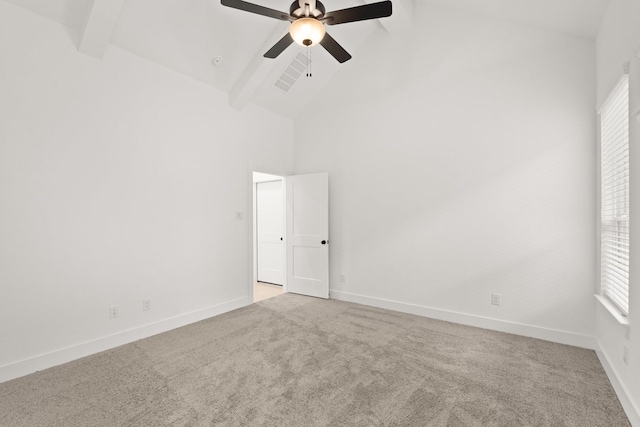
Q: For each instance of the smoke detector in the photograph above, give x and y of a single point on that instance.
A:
(217, 61)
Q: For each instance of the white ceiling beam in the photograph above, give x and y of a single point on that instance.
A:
(98, 26)
(401, 17)
(257, 70)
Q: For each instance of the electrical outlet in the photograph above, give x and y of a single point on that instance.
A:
(495, 299)
(625, 355)
(146, 304)
(114, 311)
(343, 278)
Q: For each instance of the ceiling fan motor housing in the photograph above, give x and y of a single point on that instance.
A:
(296, 11)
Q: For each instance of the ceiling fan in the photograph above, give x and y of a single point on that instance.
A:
(308, 18)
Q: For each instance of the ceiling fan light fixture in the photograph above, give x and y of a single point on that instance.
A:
(307, 31)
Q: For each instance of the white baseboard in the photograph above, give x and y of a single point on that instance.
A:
(632, 411)
(76, 351)
(562, 337)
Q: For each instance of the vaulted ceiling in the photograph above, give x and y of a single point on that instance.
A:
(187, 35)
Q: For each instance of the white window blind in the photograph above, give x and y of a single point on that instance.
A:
(614, 217)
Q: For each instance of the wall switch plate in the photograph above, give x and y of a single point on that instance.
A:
(625, 355)
(343, 278)
(146, 304)
(114, 311)
(495, 299)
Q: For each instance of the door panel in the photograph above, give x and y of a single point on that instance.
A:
(307, 219)
(270, 232)
(307, 228)
(303, 263)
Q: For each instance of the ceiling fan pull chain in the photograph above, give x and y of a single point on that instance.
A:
(308, 61)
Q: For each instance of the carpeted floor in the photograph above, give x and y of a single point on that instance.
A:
(298, 361)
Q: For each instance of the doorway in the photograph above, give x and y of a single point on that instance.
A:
(291, 241)
(269, 252)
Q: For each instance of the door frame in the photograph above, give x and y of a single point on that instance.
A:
(254, 229)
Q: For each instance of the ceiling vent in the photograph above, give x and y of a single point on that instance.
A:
(292, 73)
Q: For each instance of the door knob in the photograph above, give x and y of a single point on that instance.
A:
(324, 242)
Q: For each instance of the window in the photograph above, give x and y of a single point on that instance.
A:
(614, 184)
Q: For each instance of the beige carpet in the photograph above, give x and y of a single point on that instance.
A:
(297, 361)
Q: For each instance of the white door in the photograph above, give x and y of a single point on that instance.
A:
(270, 232)
(308, 234)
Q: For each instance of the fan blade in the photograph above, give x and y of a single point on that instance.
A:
(254, 8)
(279, 47)
(359, 13)
(334, 48)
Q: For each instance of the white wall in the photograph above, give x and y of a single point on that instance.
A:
(618, 42)
(119, 180)
(463, 164)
